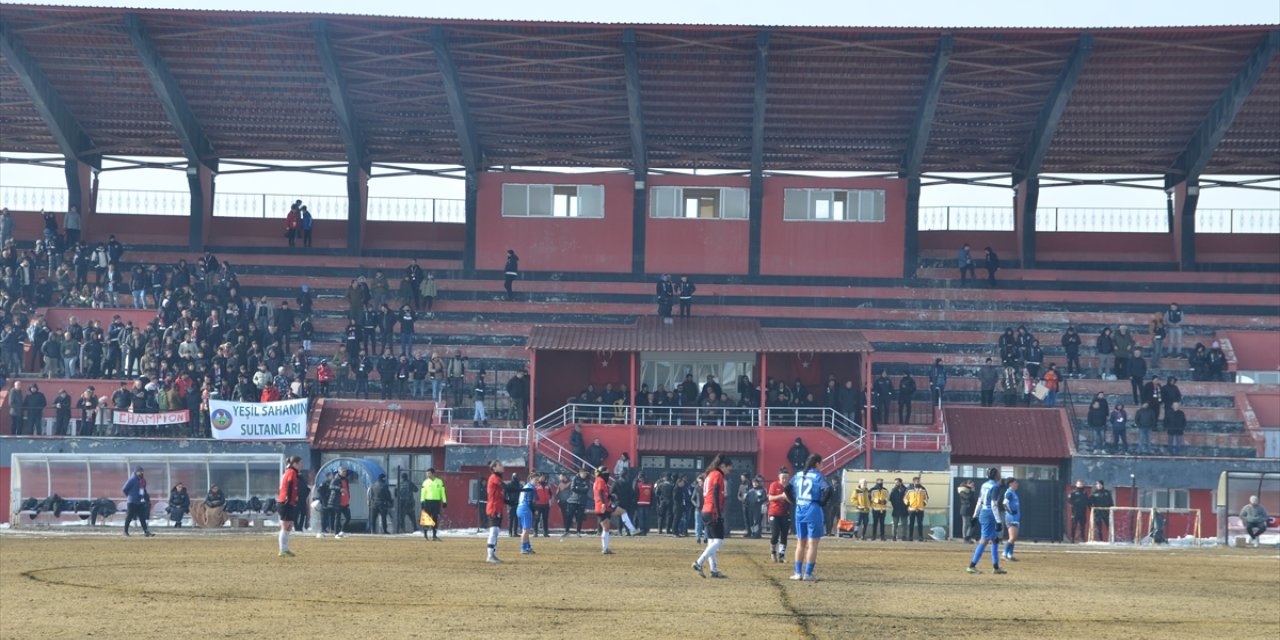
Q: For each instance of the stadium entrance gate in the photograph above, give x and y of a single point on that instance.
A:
(1043, 502)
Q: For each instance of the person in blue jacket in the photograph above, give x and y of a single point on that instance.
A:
(135, 492)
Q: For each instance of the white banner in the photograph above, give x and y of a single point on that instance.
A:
(284, 420)
(130, 419)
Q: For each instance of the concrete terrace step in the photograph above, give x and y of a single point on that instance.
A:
(946, 272)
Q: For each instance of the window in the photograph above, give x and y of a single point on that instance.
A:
(552, 201)
(1164, 499)
(704, 203)
(860, 205)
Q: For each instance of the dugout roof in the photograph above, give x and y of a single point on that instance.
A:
(287, 86)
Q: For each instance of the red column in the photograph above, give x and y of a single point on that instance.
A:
(764, 376)
(533, 361)
(634, 424)
(866, 384)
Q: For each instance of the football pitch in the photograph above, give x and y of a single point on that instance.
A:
(223, 585)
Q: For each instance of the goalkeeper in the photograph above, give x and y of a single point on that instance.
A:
(987, 511)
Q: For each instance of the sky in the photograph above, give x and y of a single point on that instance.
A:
(913, 13)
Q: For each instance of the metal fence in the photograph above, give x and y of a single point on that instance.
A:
(1238, 221)
(966, 219)
(1098, 220)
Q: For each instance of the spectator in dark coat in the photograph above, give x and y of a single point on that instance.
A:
(597, 454)
(797, 455)
(1137, 373)
(1175, 424)
(35, 403)
(179, 504)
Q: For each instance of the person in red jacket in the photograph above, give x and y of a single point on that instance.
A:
(606, 508)
(713, 495)
(287, 502)
(293, 222)
(270, 393)
(644, 498)
(493, 507)
(543, 494)
(780, 498)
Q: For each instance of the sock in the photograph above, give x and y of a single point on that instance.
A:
(995, 554)
(706, 553)
(604, 540)
(493, 542)
(808, 568)
(1008, 549)
(626, 520)
(284, 541)
(799, 567)
(977, 553)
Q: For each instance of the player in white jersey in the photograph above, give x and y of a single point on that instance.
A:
(987, 510)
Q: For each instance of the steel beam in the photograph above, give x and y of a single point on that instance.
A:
(1028, 165)
(1199, 150)
(756, 205)
(457, 99)
(918, 140)
(70, 137)
(347, 125)
(639, 151)
(195, 144)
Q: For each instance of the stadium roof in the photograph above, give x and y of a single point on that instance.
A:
(699, 334)
(290, 86)
(697, 439)
(348, 426)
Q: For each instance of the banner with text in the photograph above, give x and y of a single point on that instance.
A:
(284, 420)
(130, 419)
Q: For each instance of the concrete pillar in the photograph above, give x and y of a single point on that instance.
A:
(357, 205)
(1186, 196)
(1026, 199)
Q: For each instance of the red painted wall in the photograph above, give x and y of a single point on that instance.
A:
(1201, 499)
(556, 244)
(1255, 350)
(679, 246)
(1237, 247)
(833, 248)
(411, 235)
(615, 438)
(1119, 247)
(947, 244)
(773, 451)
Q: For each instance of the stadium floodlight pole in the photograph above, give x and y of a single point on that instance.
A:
(1133, 489)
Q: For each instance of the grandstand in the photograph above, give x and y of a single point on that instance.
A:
(778, 250)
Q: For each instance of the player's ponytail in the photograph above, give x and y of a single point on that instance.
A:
(718, 461)
(812, 462)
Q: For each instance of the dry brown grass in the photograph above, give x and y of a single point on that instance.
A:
(223, 586)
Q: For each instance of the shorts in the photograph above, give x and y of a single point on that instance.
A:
(493, 521)
(713, 526)
(988, 523)
(809, 529)
(526, 519)
(1011, 523)
(288, 512)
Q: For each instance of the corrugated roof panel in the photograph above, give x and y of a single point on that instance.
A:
(731, 335)
(1007, 435)
(367, 428)
(708, 440)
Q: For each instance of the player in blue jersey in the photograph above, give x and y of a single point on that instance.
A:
(1012, 516)
(812, 491)
(524, 511)
(987, 511)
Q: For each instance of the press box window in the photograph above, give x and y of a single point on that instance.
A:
(552, 201)
(859, 205)
(707, 203)
(1164, 499)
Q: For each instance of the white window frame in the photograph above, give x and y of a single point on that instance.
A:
(1164, 498)
(833, 205)
(671, 203)
(564, 201)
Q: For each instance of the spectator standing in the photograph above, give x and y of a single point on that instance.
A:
(1175, 424)
(992, 262)
(479, 389)
(307, 223)
(71, 223)
(666, 296)
(987, 378)
(883, 391)
(1145, 419)
(379, 289)
(1106, 348)
(644, 503)
(406, 491)
(965, 500)
(860, 503)
(340, 502)
(88, 405)
(879, 506)
(898, 504)
(797, 454)
(906, 395)
(1119, 421)
(518, 391)
(292, 224)
(686, 297)
(6, 227)
(1097, 421)
(380, 504)
(511, 271)
(938, 381)
(61, 413)
(597, 454)
(138, 501)
(1124, 350)
(965, 260)
(1156, 328)
(407, 318)
(1071, 345)
(1173, 323)
(1050, 380)
(1255, 520)
(428, 291)
(1137, 369)
(35, 404)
